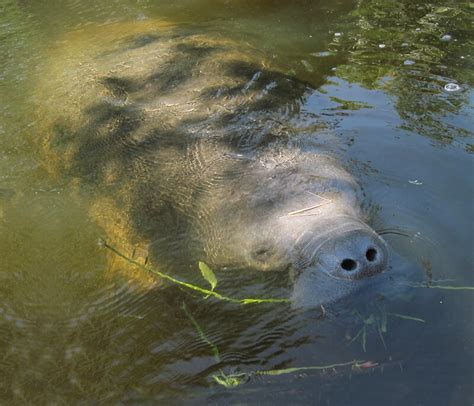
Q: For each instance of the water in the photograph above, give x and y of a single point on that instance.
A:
(75, 329)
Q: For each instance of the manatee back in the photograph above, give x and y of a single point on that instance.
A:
(151, 116)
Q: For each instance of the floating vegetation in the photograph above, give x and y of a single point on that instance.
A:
(233, 380)
(445, 287)
(405, 317)
(378, 321)
(206, 292)
(208, 275)
(367, 323)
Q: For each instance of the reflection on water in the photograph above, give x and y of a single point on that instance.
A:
(375, 74)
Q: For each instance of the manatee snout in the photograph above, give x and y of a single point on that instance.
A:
(352, 255)
(353, 252)
(329, 260)
(337, 263)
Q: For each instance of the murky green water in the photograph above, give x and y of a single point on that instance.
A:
(382, 75)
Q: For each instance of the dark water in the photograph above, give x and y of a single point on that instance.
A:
(381, 76)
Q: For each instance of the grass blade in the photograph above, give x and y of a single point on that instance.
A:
(208, 274)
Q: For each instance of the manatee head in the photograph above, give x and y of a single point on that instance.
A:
(299, 212)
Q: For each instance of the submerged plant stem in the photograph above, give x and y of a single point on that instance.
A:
(446, 287)
(190, 286)
(202, 335)
(405, 317)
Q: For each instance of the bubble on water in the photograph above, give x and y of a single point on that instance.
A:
(408, 62)
(446, 38)
(381, 46)
(452, 87)
(405, 44)
(337, 34)
(418, 29)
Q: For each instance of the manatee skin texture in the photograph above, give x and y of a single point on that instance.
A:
(196, 148)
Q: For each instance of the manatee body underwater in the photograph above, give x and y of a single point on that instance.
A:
(192, 148)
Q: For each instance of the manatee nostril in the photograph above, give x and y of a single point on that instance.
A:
(371, 254)
(348, 264)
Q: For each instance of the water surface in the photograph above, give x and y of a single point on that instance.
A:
(381, 75)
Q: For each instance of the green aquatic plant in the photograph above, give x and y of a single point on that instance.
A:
(378, 321)
(444, 287)
(208, 274)
(405, 317)
(205, 292)
(366, 324)
(202, 335)
(233, 380)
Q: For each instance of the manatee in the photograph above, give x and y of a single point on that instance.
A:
(193, 147)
